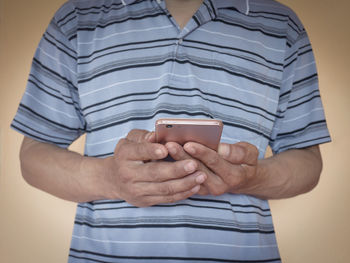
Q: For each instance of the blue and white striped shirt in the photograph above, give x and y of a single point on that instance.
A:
(105, 67)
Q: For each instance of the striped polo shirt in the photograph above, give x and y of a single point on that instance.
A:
(105, 67)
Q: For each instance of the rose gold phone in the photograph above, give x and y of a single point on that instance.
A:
(204, 131)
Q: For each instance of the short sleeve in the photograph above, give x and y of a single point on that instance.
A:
(300, 118)
(50, 109)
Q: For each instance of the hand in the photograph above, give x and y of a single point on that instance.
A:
(230, 170)
(134, 176)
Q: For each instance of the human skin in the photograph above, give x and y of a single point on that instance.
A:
(138, 174)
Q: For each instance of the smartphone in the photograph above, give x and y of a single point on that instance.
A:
(203, 131)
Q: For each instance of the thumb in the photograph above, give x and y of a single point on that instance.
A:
(140, 136)
(239, 153)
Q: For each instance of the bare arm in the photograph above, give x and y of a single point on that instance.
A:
(287, 174)
(60, 172)
(128, 175)
(236, 169)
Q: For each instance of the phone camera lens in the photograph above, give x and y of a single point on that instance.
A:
(169, 126)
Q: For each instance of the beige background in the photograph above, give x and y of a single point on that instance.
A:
(36, 227)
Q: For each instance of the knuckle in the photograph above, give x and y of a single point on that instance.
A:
(154, 171)
(132, 134)
(121, 146)
(125, 177)
(167, 190)
(251, 150)
(213, 160)
(136, 135)
(254, 152)
(217, 191)
(123, 180)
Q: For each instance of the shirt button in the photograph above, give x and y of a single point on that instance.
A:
(180, 41)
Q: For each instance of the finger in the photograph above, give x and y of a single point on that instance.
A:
(203, 153)
(203, 190)
(139, 136)
(166, 171)
(214, 184)
(176, 151)
(239, 153)
(170, 199)
(151, 137)
(175, 186)
(142, 151)
(211, 159)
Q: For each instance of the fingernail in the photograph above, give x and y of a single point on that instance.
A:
(159, 152)
(172, 150)
(190, 150)
(200, 178)
(190, 167)
(224, 150)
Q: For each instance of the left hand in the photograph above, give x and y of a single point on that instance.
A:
(232, 169)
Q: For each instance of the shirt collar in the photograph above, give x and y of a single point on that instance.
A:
(128, 2)
(241, 5)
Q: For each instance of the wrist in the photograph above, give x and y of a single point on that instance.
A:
(107, 179)
(99, 174)
(254, 181)
(271, 178)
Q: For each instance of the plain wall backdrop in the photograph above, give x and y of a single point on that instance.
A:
(36, 227)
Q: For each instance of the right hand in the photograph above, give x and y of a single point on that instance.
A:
(137, 174)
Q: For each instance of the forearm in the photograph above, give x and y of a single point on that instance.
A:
(286, 174)
(128, 175)
(62, 173)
